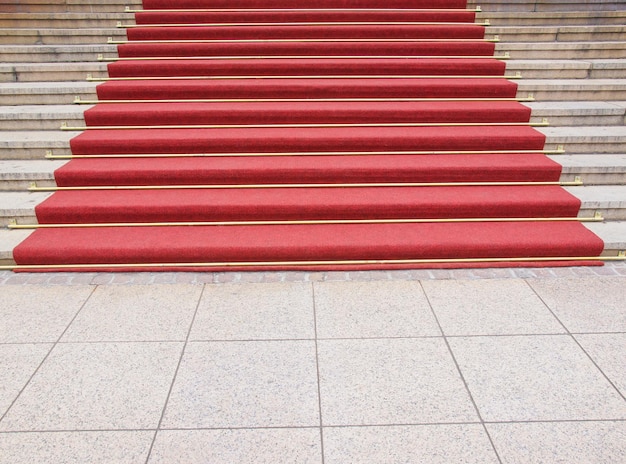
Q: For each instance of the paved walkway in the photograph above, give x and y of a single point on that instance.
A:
(511, 366)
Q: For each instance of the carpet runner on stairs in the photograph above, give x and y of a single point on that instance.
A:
(343, 134)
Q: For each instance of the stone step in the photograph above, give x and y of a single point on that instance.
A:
(608, 200)
(558, 33)
(575, 139)
(594, 169)
(563, 50)
(22, 145)
(64, 20)
(41, 36)
(45, 93)
(548, 5)
(517, 51)
(581, 113)
(568, 69)
(570, 18)
(54, 53)
(17, 175)
(40, 117)
(51, 72)
(573, 89)
(584, 113)
(586, 139)
(82, 6)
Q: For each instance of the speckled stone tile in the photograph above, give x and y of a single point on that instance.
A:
(97, 386)
(372, 309)
(543, 377)
(243, 446)
(17, 364)
(560, 442)
(245, 384)
(136, 313)
(75, 447)
(34, 313)
(255, 311)
(594, 304)
(419, 444)
(609, 353)
(489, 307)
(390, 381)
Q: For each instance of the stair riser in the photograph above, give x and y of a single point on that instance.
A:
(564, 94)
(50, 57)
(21, 74)
(62, 21)
(521, 36)
(40, 124)
(63, 6)
(533, 19)
(548, 6)
(87, 37)
(45, 99)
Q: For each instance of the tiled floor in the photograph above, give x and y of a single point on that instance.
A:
(485, 366)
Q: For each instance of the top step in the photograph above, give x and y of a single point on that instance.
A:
(65, 6)
(549, 5)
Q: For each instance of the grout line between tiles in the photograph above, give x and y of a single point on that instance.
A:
(317, 367)
(180, 360)
(578, 344)
(458, 368)
(54, 344)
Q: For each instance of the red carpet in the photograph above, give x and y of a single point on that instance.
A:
(251, 103)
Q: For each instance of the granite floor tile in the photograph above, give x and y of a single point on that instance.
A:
(243, 446)
(31, 314)
(390, 381)
(17, 365)
(489, 307)
(255, 311)
(245, 384)
(418, 444)
(136, 313)
(560, 442)
(97, 386)
(609, 353)
(544, 377)
(75, 447)
(372, 309)
(594, 304)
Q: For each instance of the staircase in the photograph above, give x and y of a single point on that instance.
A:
(571, 56)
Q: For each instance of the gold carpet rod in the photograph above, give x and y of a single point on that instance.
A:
(270, 264)
(101, 57)
(129, 9)
(346, 76)
(530, 98)
(34, 188)
(14, 225)
(543, 123)
(306, 23)
(559, 151)
(111, 40)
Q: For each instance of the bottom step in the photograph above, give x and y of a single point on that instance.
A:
(320, 247)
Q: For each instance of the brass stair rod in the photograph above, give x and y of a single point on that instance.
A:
(294, 77)
(110, 40)
(79, 101)
(14, 225)
(35, 188)
(129, 9)
(306, 23)
(356, 262)
(506, 56)
(559, 150)
(543, 123)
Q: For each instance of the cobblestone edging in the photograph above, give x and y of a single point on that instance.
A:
(615, 269)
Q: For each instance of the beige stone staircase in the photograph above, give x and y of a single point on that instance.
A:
(571, 56)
